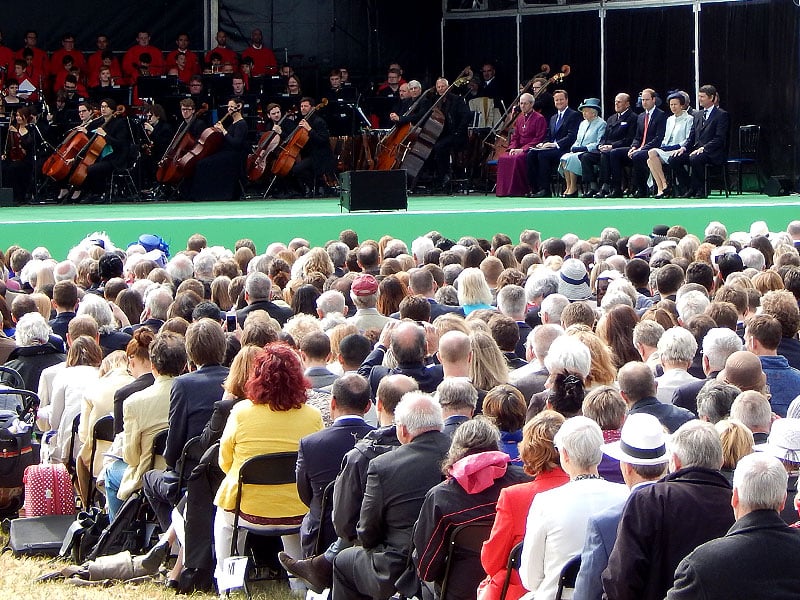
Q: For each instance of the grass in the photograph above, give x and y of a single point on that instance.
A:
(19, 575)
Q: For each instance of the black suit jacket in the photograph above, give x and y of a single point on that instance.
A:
(669, 416)
(757, 558)
(620, 129)
(685, 396)
(437, 310)
(711, 135)
(191, 402)
(655, 131)
(567, 131)
(319, 459)
(279, 313)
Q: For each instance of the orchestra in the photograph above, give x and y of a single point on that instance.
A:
(276, 141)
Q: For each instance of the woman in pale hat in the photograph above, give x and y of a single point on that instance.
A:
(590, 131)
(784, 443)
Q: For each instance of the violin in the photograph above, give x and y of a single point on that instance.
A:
(294, 144)
(208, 144)
(417, 146)
(267, 144)
(14, 150)
(169, 170)
(91, 152)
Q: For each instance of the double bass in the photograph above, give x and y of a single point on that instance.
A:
(169, 170)
(501, 130)
(294, 144)
(267, 145)
(416, 147)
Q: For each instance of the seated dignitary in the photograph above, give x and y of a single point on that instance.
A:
(707, 144)
(590, 131)
(348, 491)
(756, 558)
(643, 458)
(394, 493)
(320, 456)
(679, 124)
(663, 522)
(544, 156)
(530, 128)
(650, 128)
(556, 525)
(620, 128)
(638, 388)
(476, 471)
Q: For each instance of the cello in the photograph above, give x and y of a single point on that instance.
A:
(388, 146)
(209, 142)
(91, 152)
(58, 165)
(267, 144)
(418, 144)
(169, 171)
(294, 144)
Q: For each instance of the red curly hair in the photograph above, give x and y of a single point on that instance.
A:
(277, 379)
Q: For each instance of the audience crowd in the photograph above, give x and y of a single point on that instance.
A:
(626, 408)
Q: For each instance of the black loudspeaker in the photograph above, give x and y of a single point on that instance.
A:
(778, 185)
(374, 190)
(6, 197)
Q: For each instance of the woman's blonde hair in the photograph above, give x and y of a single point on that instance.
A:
(240, 371)
(737, 441)
(488, 367)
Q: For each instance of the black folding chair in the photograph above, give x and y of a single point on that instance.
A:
(514, 559)
(103, 430)
(569, 574)
(464, 548)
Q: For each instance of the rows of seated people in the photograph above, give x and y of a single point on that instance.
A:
(628, 404)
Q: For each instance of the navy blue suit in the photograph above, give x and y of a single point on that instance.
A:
(620, 129)
(710, 134)
(669, 416)
(319, 459)
(542, 163)
(656, 129)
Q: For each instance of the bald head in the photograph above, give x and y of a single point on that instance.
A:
(636, 381)
(454, 348)
(408, 343)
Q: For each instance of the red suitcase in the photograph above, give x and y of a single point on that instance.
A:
(48, 491)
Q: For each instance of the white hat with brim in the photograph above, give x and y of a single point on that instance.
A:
(642, 442)
(573, 280)
(783, 441)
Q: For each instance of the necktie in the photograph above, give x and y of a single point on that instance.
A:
(705, 114)
(558, 120)
(646, 124)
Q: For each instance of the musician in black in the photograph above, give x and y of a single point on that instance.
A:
(337, 114)
(409, 94)
(159, 134)
(220, 176)
(316, 162)
(454, 133)
(18, 152)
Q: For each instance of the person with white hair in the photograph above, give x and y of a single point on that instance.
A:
(690, 304)
(551, 308)
(663, 522)
(676, 349)
(257, 292)
(65, 271)
(420, 247)
(716, 228)
(397, 483)
(531, 378)
(557, 519)
(756, 558)
(180, 267)
(541, 283)
(34, 352)
(157, 300)
(718, 344)
(752, 258)
(331, 302)
(110, 337)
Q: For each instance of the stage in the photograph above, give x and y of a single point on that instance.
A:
(319, 220)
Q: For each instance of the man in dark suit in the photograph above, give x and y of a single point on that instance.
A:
(617, 139)
(421, 283)
(757, 557)
(65, 301)
(191, 402)
(561, 134)
(257, 291)
(707, 144)
(396, 486)
(320, 456)
(490, 86)
(650, 128)
(638, 388)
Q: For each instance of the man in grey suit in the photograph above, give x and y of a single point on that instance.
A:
(757, 558)
(643, 459)
(396, 486)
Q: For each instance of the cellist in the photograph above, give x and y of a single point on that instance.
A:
(316, 158)
(88, 123)
(409, 92)
(454, 134)
(116, 133)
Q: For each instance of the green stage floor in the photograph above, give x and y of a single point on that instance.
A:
(61, 227)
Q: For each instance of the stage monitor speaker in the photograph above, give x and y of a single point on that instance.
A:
(778, 185)
(6, 197)
(373, 190)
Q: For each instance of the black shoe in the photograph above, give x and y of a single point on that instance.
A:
(317, 572)
(660, 196)
(572, 195)
(539, 194)
(156, 557)
(688, 194)
(614, 193)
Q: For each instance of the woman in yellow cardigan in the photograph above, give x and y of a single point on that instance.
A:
(273, 419)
